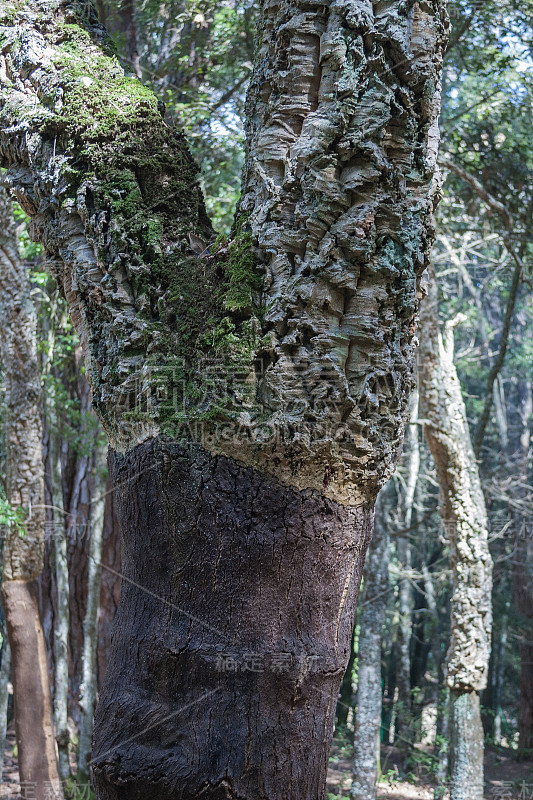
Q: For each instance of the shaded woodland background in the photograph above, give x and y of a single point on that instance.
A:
(198, 58)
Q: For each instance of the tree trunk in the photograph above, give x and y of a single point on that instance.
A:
(257, 654)
(525, 716)
(23, 547)
(465, 519)
(344, 702)
(254, 391)
(368, 716)
(498, 678)
(441, 746)
(5, 674)
(523, 563)
(404, 724)
(70, 444)
(110, 582)
(61, 628)
(90, 625)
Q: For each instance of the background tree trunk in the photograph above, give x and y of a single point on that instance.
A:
(465, 520)
(90, 625)
(367, 738)
(344, 702)
(110, 581)
(523, 563)
(5, 675)
(23, 548)
(61, 627)
(404, 724)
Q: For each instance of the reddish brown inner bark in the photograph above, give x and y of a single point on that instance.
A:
(232, 634)
(35, 737)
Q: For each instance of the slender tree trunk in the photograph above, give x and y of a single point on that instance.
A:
(523, 565)
(498, 678)
(404, 726)
(23, 548)
(119, 20)
(61, 628)
(344, 702)
(60, 576)
(525, 717)
(253, 391)
(110, 582)
(90, 626)
(464, 516)
(5, 674)
(441, 729)
(367, 738)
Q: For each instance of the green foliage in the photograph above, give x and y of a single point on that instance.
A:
(28, 250)
(421, 763)
(73, 790)
(13, 517)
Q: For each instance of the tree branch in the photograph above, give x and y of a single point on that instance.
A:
(89, 157)
(507, 220)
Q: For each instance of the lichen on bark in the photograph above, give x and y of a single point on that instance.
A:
(112, 193)
(464, 515)
(341, 146)
(291, 346)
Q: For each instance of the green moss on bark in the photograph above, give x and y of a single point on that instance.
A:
(158, 311)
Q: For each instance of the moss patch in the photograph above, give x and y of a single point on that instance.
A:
(161, 315)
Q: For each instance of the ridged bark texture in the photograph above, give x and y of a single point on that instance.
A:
(342, 137)
(232, 635)
(308, 316)
(466, 746)
(465, 519)
(112, 194)
(335, 215)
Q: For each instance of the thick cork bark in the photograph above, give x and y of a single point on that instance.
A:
(283, 357)
(464, 515)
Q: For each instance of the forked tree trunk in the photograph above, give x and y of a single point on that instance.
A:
(253, 391)
(465, 519)
(23, 548)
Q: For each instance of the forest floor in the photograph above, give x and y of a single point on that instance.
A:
(506, 778)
